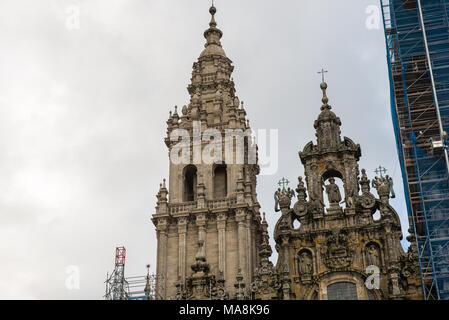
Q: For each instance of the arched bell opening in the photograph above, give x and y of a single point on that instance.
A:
(189, 183)
(220, 178)
(332, 173)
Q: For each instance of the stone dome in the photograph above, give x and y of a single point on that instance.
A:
(213, 49)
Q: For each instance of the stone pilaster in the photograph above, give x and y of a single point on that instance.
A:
(201, 224)
(242, 238)
(161, 230)
(221, 227)
(182, 231)
(249, 254)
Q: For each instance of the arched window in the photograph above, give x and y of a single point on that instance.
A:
(342, 291)
(305, 263)
(189, 183)
(220, 182)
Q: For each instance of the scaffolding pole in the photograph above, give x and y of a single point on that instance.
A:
(432, 79)
(417, 43)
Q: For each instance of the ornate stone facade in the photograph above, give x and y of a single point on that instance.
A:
(211, 204)
(340, 250)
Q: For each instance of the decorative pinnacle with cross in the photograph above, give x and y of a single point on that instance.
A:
(322, 72)
(323, 87)
(380, 171)
(282, 183)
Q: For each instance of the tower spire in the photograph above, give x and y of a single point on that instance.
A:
(325, 99)
(212, 11)
(213, 36)
(327, 124)
(323, 87)
(231, 187)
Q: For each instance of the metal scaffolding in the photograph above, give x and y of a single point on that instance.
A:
(130, 288)
(144, 287)
(117, 287)
(417, 41)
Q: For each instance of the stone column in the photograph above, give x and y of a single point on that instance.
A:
(285, 245)
(182, 230)
(201, 193)
(254, 249)
(162, 257)
(285, 269)
(392, 256)
(221, 226)
(242, 237)
(201, 224)
(249, 253)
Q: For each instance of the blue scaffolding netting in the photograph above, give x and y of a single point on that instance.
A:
(417, 41)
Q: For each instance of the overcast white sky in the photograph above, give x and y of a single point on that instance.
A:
(83, 111)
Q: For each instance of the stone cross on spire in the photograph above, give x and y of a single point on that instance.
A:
(323, 87)
(322, 72)
(380, 171)
(283, 182)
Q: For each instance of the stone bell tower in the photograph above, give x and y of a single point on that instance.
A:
(207, 218)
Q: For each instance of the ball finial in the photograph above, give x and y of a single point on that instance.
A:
(323, 85)
(212, 10)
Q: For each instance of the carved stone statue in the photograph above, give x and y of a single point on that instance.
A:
(377, 182)
(384, 186)
(282, 194)
(350, 199)
(305, 263)
(315, 204)
(276, 200)
(333, 192)
(390, 182)
(372, 255)
(301, 190)
(394, 285)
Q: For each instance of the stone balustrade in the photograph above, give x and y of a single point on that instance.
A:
(182, 207)
(192, 205)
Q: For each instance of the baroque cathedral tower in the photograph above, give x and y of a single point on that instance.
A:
(207, 218)
(350, 247)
